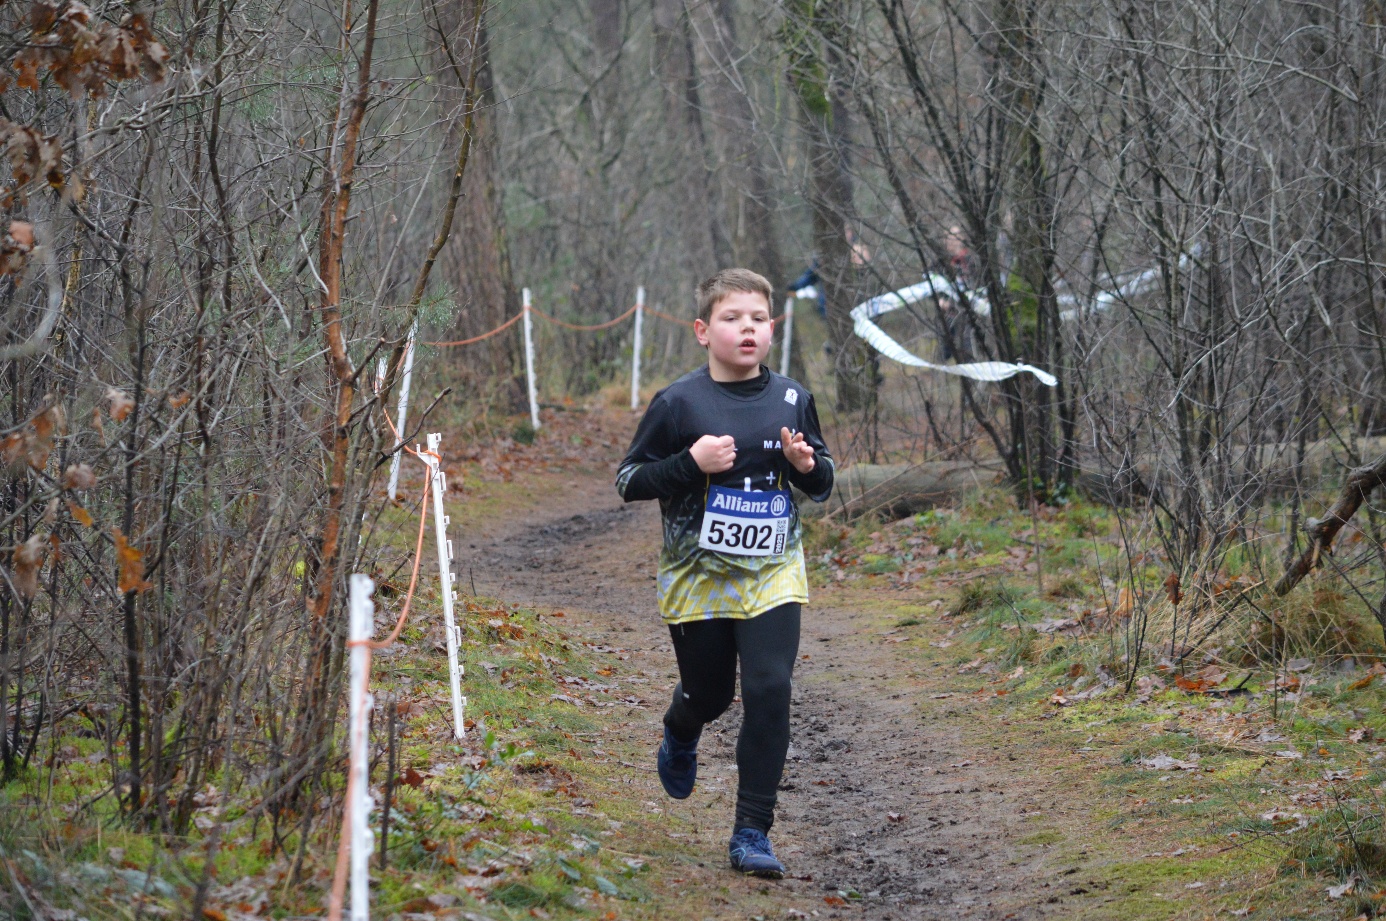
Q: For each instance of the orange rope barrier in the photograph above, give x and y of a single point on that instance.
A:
(575, 326)
(504, 326)
(665, 316)
(585, 329)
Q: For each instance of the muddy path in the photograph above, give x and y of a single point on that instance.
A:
(887, 796)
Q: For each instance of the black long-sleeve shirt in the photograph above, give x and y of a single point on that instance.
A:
(695, 582)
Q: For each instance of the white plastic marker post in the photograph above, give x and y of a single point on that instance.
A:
(361, 628)
(635, 352)
(529, 363)
(454, 634)
(788, 335)
(403, 410)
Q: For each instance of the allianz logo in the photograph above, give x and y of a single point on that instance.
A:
(734, 503)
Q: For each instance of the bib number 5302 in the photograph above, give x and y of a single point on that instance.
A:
(745, 523)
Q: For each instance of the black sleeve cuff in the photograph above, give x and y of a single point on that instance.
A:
(818, 482)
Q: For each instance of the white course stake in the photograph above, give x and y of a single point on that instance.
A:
(403, 409)
(788, 335)
(361, 628)
(529, 364)
(454, 633)
(635, 352)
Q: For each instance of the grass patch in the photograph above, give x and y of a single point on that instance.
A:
(1268, 707)
(503, 819)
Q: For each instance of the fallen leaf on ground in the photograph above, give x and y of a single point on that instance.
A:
(1172, 588)
(1149, 684)
(1169, 763)
(1193, 685)
(1124, 604)
(1281, 819)
(1065, 625)
(1337, 892)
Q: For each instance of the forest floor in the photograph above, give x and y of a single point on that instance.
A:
(959, 748)
(917, 785)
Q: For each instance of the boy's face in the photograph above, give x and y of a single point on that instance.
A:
(736, 336)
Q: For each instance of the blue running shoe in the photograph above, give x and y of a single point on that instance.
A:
(678, 765)
(751, 854)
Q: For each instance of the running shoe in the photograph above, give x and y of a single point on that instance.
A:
(751, 854)
(678, 765)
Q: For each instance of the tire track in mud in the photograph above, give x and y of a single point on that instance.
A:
(881, 798)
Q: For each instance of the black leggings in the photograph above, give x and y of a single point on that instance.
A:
(707, 651)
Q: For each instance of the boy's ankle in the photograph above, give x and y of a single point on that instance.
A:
(682, 736)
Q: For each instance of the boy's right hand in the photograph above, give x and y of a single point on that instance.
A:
(714, 453)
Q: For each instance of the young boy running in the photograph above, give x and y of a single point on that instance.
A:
(719, 449)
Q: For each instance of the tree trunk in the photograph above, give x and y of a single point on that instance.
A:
(755, 243)
(477, 259)
(812, 41)
(708, 247)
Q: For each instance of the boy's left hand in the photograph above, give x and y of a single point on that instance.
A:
(797, 451)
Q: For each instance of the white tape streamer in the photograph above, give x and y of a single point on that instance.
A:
(932, 286)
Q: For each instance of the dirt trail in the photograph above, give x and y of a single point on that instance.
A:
(882, 795)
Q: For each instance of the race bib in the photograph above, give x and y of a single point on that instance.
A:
(745, 523)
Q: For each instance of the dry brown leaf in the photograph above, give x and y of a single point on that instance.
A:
(79, 514)
(1172, 588)
(22, 232)
(18, 243)
(79, 476)
(122, 404)
(1362, 683)
(28, 560)
(1192, 685)
(38, 438)
(12, 448)
(131, 561)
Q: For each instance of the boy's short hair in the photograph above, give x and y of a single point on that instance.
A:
(730, 281)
